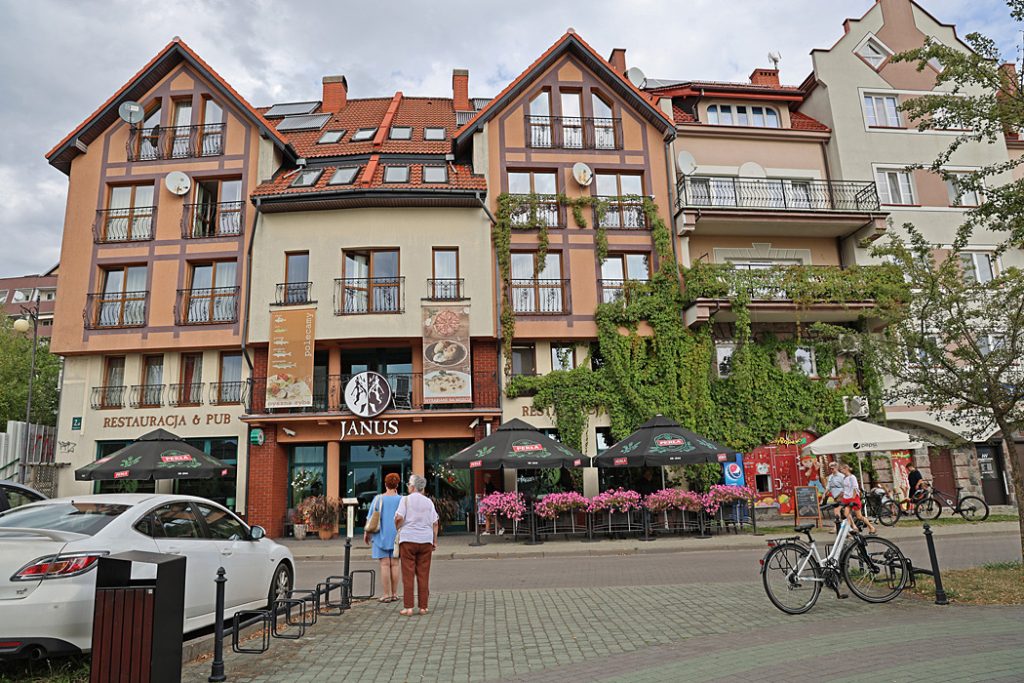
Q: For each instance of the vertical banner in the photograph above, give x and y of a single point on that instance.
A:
(290, 358)
(447, 366)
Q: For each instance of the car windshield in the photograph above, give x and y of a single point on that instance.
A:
(80, 518)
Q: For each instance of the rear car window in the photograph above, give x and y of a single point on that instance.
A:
(80, 518)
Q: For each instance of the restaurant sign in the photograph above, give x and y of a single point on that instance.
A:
(290, 358)
(447, 366)
(369, 428)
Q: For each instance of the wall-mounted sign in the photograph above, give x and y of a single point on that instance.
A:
(171, 421)
(76, 424)
(257, 437)
(368, 394)
(447, 365)
(369, 428)
(290, 358)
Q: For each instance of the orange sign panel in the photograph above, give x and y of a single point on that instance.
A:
(290, 358)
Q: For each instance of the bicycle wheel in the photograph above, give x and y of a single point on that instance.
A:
(973, 509)
(928, 508)
(790, 592)
(888, 514)
(874, 569)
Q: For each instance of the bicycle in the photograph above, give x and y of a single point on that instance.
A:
(793, 571)
(971, 508)
(881, 508)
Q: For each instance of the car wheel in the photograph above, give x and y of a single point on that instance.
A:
(280, 585)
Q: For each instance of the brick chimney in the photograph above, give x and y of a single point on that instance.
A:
(618, 60)
(765, 77)
(335, 93)
(460, 90)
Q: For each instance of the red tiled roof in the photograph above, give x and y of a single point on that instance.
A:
(682, 116)
(418, 112)
(801, 121)
(727, 85)
(460, 177)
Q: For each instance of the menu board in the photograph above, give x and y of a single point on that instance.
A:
(447, 365)
(806, 507)
(290, 358)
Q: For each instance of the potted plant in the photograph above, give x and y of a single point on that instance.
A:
(321, 513)
(616, 507)
(298, 525)
(509, 505)
(561, 509)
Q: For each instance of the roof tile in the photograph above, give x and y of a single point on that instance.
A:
(460, 177)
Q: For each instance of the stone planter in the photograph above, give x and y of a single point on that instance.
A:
(299, 531)
(326, 534)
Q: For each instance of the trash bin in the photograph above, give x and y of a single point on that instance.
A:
(137, 623)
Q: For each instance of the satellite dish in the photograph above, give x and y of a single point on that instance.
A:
(774, 57)
(582, 174)
(636, 76)
(178, 183)
(131, 112)
(685, 163)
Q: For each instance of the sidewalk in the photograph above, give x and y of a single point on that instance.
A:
(458, 547)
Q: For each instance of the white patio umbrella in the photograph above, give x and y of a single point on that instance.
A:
(857, 436)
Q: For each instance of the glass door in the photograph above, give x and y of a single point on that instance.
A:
(364, 467)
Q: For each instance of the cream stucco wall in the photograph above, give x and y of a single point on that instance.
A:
(413, 231)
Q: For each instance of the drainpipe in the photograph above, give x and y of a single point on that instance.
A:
(497, 280)
(245, 335)
(671, 197)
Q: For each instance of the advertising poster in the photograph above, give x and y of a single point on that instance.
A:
(290, 358)
(447, 366)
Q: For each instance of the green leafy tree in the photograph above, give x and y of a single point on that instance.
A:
(15, 365)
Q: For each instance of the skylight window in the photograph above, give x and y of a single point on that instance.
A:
(401, 133)
(290, 109)
(307, 178)
(435, 174)
(874, 53)
(331, 136)
(345, 175)
(396, 174)
(364, 134)
(434, 134)
(305, 122)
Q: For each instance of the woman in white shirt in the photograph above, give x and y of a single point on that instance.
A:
(416, 519)
(851, 496)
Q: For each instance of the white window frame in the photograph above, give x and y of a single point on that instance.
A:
(884, 184)
(394, 129)
(871, 103)
(872, 40)
(956, 201)
(812, 369)
(565, 354)
(992, 261)
(723, 354)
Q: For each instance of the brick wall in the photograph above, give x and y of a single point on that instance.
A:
(258, 386)
(268, 484)
(485, 373)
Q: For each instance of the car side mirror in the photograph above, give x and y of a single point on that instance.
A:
(257, 532)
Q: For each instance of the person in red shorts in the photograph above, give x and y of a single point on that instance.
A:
(851, 496)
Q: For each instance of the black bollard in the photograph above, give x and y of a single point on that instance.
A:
(346, 589)
(217, 667)
(940, 592)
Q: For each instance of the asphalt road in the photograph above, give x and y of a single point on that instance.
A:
(661, 569)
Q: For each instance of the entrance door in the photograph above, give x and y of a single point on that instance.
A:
(943, 477)
(990, 463)
(364, 467)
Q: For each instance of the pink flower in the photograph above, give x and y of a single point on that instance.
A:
(619, 500)
(509, 505)
(674, 499)
(554, 504)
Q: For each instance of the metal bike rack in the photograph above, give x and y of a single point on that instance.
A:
(284, 606)
(246, 619)
(310, 596)
(352, 583)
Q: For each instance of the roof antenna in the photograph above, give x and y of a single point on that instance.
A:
(774, 57)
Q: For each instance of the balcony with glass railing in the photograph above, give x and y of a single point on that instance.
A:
(115, 310)
(573, 132)
(128, 224)
(219, 219)
(207, 306)
(175, 142)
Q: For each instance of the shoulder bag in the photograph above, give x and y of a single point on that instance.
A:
(372, 525)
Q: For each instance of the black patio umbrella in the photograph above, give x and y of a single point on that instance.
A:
(661, 441)
(517, 444)
(156, 455)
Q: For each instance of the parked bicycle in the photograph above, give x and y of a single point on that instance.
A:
(929, 507)
(793, 571)
(881, 508)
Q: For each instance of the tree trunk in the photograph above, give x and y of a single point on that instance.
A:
(1016, 475)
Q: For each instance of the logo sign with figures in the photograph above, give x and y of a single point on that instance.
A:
(368, 394)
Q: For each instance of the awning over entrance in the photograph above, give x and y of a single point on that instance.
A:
(857, 436)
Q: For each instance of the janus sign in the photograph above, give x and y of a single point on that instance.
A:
(369, 428)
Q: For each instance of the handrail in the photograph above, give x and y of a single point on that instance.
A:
(115, 310)
(125, 224)
(777, 194)
(175, 142)
(361, 295)
(206, 306)
(573, 132)
(204, 220)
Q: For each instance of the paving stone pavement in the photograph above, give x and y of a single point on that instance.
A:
(645, 634)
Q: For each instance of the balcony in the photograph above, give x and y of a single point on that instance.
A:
(573, 132)
(623, 291)
(129, 224)
(146, 396)
(778, 194)
(108, 397)
(115, 310)
(178, 142)
(786, 293)
(539, 296)
(361, 295)
(536, 211)
(293, 293)
(229, 393)
(185, 394)
(406, 388)
(202, 221)
(217, 305)
(622, 213)
(445, 289)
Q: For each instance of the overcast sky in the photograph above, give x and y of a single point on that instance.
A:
(60, 60)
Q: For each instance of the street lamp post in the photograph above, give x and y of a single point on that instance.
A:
(31, 317)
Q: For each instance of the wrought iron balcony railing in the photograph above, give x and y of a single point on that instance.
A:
(623, 291)
(539, 296)
(129, 224)
(228, 393)
(573, 132)
(206, 306)
(221, 219)
(534, 211)
(177, 142)
(146, 396)
(189, 394)
(777, 194)
(445, 289)
(622, 213)
(118, 309)
(359, 295)
(108, 397)
(406, 388)
(293, 293)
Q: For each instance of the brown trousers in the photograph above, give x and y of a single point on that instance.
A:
(415, 566)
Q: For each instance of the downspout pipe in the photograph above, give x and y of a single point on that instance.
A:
(245, 335)
(671, 197)
(497, 280)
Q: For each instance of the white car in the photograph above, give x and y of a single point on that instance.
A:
(49, 549)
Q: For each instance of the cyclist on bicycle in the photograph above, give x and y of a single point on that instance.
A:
(851, 496)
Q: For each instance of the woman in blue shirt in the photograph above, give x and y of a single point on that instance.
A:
(383, 544)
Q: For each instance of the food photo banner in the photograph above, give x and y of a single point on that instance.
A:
(290, 358)
(447, 366)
